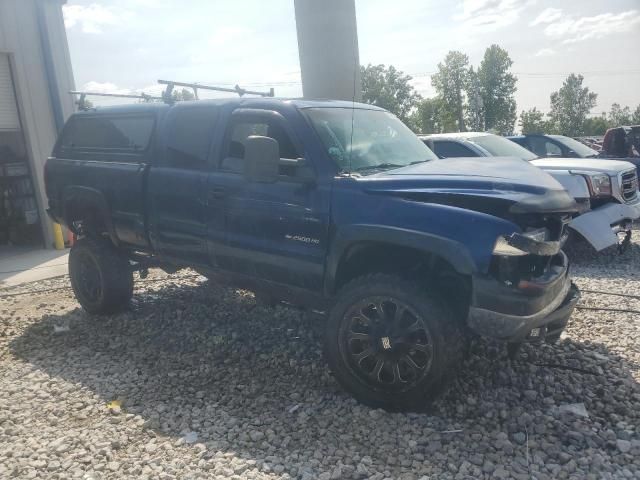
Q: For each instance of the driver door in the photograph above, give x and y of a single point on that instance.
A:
(274, 231)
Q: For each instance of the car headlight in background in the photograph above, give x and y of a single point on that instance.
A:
(599, 184)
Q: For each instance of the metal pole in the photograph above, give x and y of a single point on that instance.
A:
(328, 49)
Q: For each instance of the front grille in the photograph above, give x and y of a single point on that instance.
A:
(629, 185)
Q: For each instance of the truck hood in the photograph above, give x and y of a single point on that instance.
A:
(500, 186)
(611, 167)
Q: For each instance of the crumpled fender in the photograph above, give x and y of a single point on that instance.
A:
(595, 226)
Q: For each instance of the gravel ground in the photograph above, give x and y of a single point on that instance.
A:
(197, 381)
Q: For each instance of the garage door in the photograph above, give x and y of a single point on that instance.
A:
(8, 111)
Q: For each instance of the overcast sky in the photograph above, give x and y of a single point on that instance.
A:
(126, 45)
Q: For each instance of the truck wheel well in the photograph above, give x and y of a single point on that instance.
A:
(428, 269)
(89, 215)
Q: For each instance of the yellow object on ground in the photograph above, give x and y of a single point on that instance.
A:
(57, 236)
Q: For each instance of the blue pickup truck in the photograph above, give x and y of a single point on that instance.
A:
(331, 206)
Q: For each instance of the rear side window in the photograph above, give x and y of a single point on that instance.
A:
(451, 150)
(190, 135)
(544, 148)
(127, 134)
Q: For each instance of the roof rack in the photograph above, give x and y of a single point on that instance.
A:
(82, 105)
(166, 95)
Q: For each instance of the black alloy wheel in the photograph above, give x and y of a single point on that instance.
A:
(391, 343)
(386, 343)
(89, 285)
(101, 276)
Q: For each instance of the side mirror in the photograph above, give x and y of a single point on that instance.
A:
(261, 159)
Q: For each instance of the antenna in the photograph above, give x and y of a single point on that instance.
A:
(82, 105)
(166, 95)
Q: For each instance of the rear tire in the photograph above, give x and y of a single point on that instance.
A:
(101, 277)
(391, 344)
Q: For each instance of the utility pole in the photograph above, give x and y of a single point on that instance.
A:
(328, 49)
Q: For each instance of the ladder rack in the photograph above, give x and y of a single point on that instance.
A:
(196, 86)
(83, 96)
(167, 95)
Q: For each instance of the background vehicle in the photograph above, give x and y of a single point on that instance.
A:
(622, 142)
(326, 206)
(550, 146)
(554, 146)
(605, 190)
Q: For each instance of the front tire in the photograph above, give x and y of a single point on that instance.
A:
(391, 344)
(101, 277)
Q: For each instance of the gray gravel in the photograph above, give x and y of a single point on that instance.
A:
(200, 382)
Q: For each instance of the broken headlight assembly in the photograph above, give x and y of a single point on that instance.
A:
(533, 242)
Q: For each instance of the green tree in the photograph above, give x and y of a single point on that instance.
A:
(182, 95)
(450, 82)
(619, 116)
(532, 121)
(389, 88)
(570, 106)
(596, 125)
(475, 102)
(635, 118)
(498, 86)
(431, 117)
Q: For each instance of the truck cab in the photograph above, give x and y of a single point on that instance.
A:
(328, 205)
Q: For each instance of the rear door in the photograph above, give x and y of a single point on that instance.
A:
(178, 184)
(273, 231)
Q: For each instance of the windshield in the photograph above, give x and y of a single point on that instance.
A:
(502, 147)
(580, 148)
(377, 141)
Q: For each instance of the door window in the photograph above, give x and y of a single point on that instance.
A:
(104, 133)
(544, 148)
(233, 158)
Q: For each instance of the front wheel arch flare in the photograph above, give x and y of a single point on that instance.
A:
(451, 251)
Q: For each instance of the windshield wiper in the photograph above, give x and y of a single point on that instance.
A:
(379, 166)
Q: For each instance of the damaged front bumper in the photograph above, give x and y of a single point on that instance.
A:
(601, 226)
(527, 310)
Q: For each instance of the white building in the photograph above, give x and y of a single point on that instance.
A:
(35, 78)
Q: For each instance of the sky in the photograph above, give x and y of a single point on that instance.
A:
(125, 46)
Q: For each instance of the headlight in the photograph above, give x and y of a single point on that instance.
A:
(599, 184)
(503, 247)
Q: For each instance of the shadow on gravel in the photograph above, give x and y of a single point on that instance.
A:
(251, 380)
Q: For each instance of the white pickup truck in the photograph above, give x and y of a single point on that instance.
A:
(605, 190)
